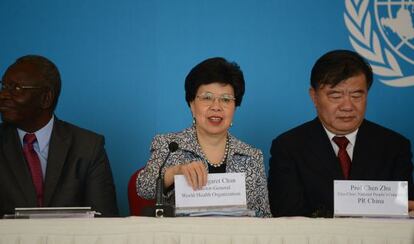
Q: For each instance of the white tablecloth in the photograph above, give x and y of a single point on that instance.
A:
(207, 230)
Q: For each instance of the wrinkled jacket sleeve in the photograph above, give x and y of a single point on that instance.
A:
(260, 188)
(146, 180)
(286, 190)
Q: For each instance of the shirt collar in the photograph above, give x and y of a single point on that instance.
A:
(351, 136)
(42, 135)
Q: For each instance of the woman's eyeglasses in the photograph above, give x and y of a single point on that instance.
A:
(208, 98)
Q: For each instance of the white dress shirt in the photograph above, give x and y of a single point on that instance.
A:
(41, 146)
(349, 148)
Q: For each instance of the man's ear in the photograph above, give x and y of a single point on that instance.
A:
(47, 99)
(312, 94)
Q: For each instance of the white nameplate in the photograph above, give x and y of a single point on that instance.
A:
(227, 189)
(371, 198)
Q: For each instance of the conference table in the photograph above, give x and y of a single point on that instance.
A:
(294, 230)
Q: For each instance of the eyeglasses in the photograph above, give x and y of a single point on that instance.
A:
(208, 98)
(16, 89)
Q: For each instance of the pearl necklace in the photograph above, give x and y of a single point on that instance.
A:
(223, 160)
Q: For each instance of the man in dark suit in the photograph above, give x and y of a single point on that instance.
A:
(307, 159)
(46, 162)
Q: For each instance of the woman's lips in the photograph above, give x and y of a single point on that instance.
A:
(215, 119)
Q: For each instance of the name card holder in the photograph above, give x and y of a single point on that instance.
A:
(224, 194)
(370, 198)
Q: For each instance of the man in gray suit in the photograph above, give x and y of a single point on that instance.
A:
(44, 161)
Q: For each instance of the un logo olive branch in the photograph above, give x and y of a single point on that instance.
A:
(364, 39)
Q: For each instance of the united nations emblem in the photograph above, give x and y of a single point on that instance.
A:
(391, 52)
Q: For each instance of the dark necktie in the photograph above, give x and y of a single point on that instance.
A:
(34, 165)
(343, 156)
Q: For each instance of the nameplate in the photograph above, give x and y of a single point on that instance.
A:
(227, 189)
(371, 198)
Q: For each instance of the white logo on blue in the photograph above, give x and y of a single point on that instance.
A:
(391, 52)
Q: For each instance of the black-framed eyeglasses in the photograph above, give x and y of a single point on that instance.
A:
(16, 89)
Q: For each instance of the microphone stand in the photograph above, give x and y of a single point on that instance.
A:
(161, 208)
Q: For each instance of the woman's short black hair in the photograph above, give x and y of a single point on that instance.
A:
(339, 65)
(214, 70)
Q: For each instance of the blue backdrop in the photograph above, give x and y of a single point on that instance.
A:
(123, 63)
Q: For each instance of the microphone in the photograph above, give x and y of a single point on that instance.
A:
(162, 209)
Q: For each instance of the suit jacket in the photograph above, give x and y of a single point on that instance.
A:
(241, 158)
(77, 173)
(303, 166)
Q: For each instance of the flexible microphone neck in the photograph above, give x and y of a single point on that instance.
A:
(172, 147)
(161, 209)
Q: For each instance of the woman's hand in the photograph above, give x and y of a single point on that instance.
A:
(194, 172)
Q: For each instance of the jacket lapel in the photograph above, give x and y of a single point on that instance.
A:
(17, 164)
(364, 153)
(322, 150)
(58, 150)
